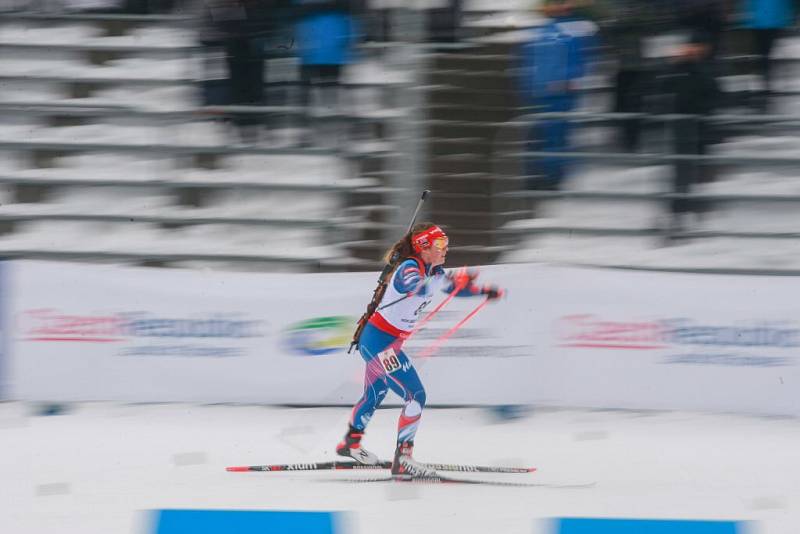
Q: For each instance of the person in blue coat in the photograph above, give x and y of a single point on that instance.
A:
(766, 19)
(326, 33)
(551, 63)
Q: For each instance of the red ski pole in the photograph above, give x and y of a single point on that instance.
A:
(436, 345)
(457, 287)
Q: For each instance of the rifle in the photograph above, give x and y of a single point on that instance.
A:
(383, 280)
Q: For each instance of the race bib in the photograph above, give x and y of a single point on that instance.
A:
(389, 360)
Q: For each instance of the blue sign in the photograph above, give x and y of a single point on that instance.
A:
(579, 525)
(244, 522)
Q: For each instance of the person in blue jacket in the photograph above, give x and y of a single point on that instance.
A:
(766, 19)
(326, 33)
(551, 63)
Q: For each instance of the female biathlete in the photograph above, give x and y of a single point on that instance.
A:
(409, 289)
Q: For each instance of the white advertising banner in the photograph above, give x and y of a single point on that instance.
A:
(5, 366)
(562, 337)
(88, 332)
(627, 339)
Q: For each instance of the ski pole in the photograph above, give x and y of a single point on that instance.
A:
(457, 287)
(436, 345)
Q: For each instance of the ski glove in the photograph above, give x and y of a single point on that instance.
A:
(464, 277)
(492, 292)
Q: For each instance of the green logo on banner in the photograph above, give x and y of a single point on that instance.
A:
(320, 335)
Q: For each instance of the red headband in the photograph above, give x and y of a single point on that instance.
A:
(425, 239)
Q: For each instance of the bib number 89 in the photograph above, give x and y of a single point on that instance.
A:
(389, 360)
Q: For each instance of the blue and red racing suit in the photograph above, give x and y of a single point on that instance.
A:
(409, 291)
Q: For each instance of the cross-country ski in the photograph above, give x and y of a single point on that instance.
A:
(385, 464)
(443, 479)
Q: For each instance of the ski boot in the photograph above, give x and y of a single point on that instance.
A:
(405, 467)
(351, 447)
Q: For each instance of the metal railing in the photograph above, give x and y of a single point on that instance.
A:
(510, 150)
(339, 229)
(502, 152)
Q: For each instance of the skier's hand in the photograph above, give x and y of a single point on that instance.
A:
(493, 292)
(471, 274)
(464, 277)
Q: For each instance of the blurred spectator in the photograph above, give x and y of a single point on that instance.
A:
(694, 91)
(444, 23)
(326, 34)
(631, 22)
(551, 63)
(766, 19)
(374, 18)
(242, 27)
(586, 17)
(707, 16)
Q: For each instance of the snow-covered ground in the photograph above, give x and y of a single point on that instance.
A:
(99, 467)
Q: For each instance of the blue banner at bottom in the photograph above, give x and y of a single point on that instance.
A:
(579, 525)
(244, 522)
